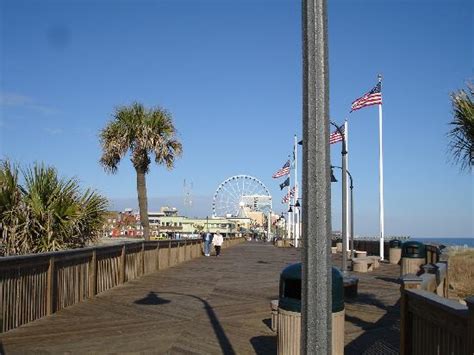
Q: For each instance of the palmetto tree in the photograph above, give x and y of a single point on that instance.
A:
(46, 212)
(462, 135)
(143, 132)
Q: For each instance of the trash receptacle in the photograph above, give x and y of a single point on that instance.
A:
(413, 256)
(289, 311)
(395, 251)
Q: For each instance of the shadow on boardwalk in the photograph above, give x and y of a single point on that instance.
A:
(377, 317)
(153, 299)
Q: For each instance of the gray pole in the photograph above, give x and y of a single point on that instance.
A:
(316, 271)
(352, 218)
(344, 197)
(344, 207)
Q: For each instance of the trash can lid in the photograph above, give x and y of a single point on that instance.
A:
(292, 272)
(413, 249)
(290, 297)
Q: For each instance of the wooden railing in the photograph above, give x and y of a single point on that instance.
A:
(431, 324)
(432, 254)
(372, 247)
(34, 286)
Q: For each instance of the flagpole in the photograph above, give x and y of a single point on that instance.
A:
(381, 179)
(295, 213)
(288, 227)
(346, 141)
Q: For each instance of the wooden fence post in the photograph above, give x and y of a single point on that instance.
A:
(123, 261)
(409, 281)
(93, 275)
(470, 325)
(169, 253)
(186, 250)
(50, 291)
(142, 253)
(157, 259)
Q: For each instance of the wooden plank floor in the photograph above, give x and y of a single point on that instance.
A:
(205, 306)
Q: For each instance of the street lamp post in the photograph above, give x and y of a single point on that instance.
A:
(344, 196)
(285, 230)
(333, 179)
(298, 206)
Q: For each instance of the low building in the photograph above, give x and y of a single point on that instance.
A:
(168, 224)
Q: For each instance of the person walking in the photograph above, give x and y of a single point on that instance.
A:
(217, 241)
(207, 239)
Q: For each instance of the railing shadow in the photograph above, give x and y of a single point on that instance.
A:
(369, 299)
(389, 279)
(154, 299)
(264, 345)
(380, 337)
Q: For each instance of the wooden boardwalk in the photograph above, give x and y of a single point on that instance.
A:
(205, 306)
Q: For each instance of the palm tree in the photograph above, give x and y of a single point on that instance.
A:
(462, 135)
(47, 213)
(14, 214)
(62, 216)
(143, 132)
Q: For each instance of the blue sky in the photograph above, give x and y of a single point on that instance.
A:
(230, 73)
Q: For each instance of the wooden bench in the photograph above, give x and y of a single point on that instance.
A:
(362, 264)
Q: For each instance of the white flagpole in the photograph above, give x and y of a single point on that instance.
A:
(288, 227)
(296, 213)
(381, 180)
(346, 138)
(289, 216)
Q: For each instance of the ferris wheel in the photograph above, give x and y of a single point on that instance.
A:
(239, 194)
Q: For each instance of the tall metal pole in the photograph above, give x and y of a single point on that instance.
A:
(346, 142)
(382, 232)
(352, 218)
(316, 271)
(344, 197)
(344, 205)
(296, 214)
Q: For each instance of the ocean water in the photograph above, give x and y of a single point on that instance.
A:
(469, 242)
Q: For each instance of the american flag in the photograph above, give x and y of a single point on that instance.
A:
(336, 136)
(289, 195)
(373, 97)
(285, 170)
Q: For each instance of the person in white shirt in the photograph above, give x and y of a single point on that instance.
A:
(217, 241)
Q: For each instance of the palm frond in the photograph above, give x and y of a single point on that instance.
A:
(462, 134)
(53, 212)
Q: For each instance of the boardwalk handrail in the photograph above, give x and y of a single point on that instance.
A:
(37, 285)
(433, 253)
(431, 324)
(372, 247)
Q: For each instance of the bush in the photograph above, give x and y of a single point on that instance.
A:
(45, 212)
